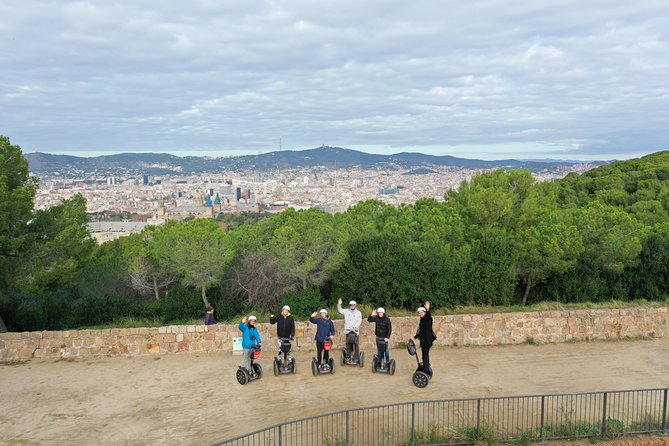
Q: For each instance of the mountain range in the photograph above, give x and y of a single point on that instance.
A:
(163, 163)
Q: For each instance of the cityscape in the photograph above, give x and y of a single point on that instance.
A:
(123, 204)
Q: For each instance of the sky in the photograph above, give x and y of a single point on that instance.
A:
(561, 79)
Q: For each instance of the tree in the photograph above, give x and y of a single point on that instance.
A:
(552, 246)
(611, 237)
(493, 198)
(195, 251)
(380, 270)
(17, 193)
(257, 276)
(59, 243)
(651, 276)
(493, 275)
(307, 246)
(142, 267)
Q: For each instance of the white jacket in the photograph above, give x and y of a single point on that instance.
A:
(352, 319)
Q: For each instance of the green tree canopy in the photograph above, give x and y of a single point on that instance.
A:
(195, 251)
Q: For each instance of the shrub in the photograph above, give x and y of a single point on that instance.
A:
(303, 303)
(181, 304)
(97, 310)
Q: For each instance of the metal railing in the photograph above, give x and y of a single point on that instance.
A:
(521, 419)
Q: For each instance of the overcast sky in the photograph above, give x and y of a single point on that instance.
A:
(569, 79)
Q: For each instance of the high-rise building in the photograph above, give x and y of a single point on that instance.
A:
(145, 180)
(238, 193)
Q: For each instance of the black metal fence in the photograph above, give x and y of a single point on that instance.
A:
(520, 419)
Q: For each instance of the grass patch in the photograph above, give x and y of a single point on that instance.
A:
(134, 322)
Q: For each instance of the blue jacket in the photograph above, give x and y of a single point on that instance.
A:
(324, 328)
(249, 335)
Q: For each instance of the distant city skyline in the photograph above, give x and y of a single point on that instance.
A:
(492, 79)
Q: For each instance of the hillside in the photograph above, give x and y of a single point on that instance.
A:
(159, 163)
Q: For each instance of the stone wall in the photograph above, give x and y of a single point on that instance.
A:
(473, 329)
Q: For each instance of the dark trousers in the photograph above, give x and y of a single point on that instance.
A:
(352, 347)
(382, 350)
(425, 353)
(320, 349)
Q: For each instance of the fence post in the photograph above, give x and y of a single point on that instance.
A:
(280, 441)
(604, 415)
(413, 421)
(347, 427)
(478, 419)
(541, 430)
(664, 412)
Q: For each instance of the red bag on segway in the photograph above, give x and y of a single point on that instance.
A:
(256, 353)
(327, 345)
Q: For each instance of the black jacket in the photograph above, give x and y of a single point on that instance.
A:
(383, 326)
(425, 333)
(285, 326)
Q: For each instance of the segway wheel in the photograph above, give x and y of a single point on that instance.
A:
(276, 367)
(332, 364)
(314, 368)
(420, 379)
(242, 376)
(362, 359)
(342, 357)
(428, 371)
(391, 367)
(293, 365)
(257, 368)
(374, 364)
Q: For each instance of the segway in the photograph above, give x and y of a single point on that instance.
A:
(423, 374)
(347, 357)
(284, 361)
(379, 366)
(244, 376)
(326, 368)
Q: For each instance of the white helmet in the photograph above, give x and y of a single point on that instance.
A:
(380, 310)
(286, 307)
(323, 310)
(422, 309)
(252, 318)
(352, 303)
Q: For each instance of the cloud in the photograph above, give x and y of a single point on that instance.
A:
(588, 75)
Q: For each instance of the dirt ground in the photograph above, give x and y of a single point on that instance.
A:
(195, 399)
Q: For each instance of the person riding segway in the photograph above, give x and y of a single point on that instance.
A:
(351, 354)
(285, 331)
(426, 335)
(383, 330)
(251, 346)
(419, 378)
(325, 331)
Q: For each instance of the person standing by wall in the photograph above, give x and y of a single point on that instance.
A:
(425, 333)
(209, 316)
(250, 338)
(325, 330)
(352, 322)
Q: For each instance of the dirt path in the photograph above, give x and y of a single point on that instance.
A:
(195, 399)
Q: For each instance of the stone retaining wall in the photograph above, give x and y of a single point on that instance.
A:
(473, 329)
